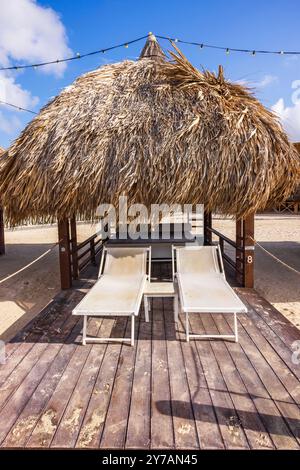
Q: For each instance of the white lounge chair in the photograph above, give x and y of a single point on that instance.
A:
(203, 287)
(119, 290)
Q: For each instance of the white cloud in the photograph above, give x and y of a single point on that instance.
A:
(9, 125)
(30, 32)
(290, 118)
(12, 92)
(265, 81)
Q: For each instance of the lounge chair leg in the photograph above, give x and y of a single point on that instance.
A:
(176, 308)
(187, 329)
(132, 330)
(84, 330)
(236, 328)
(146, 308)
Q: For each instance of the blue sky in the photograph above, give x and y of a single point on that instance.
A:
(29, 31)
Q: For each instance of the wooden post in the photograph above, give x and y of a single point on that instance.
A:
(74, 253)
(207, 224)
(248, 257)
(239, 251)
(64, 253)
(2, 240)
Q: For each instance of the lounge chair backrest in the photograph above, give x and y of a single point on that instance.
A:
(125, 261)
(197, 260)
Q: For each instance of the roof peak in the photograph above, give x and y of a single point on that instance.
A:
(152, 49)
(151, 37)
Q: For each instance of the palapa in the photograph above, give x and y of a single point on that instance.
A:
(157, 130)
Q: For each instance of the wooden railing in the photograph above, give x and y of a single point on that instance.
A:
(84, 253)
(239, 251)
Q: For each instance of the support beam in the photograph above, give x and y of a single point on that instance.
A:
(239, 255)
(74, 254)
(2, 240)
(248, 244)
(64, 253)
(207, 224)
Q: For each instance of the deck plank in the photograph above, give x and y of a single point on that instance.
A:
(162, 393)
(138, 431)
(233, 435)
(70, 424)
(50, 418)
(37, 335)
(23, 393)
(28, 418)
(208, 429)
(263, 319)
(250, 420)
(162, 432)
(115, 428)
(186, 436)
(93, 423)
(277, 391)
(281, 370)
(266, 406)
(275, 320)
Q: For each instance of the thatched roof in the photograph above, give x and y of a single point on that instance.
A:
(153, 129)
(296, 195)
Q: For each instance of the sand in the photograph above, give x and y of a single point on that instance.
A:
(23, 296)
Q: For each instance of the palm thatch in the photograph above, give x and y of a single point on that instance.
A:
(156, 130)
(296, 195)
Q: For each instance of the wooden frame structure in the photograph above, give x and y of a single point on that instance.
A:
(243, 264)
(2, 238)
(73, 256)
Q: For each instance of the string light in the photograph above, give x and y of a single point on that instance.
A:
(226, 49)
(75, 57)
(127, 43)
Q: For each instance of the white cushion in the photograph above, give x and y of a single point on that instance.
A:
(211, 293)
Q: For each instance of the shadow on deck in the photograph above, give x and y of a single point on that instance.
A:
(163, 393)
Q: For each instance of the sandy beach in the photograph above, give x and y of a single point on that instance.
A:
(24, 295)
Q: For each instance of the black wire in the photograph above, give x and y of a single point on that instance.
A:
(17, 107)
(168, 38)
(233, 49)
(75, 57)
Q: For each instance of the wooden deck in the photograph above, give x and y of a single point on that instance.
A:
(163, 393)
